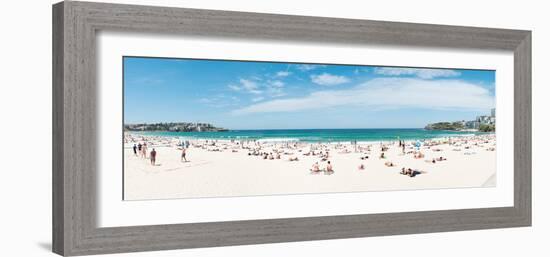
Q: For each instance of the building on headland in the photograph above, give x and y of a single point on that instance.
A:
(482, 120)
(472, 124)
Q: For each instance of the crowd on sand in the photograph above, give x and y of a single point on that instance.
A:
(144, 147)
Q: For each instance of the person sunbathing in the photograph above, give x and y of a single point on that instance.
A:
(413, 173)
(315, 167)
(361, 167)
(409, 172)
(389, 164)
(329, 169)
(441, 158)
(382, 156)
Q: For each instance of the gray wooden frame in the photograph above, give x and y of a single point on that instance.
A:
(75, 25)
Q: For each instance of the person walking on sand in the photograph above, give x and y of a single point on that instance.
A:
(144, 151)
(135, 149)
(153, 157)
(183, 153)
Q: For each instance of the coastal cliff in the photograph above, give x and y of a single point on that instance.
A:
(455, 126)
(459, 126)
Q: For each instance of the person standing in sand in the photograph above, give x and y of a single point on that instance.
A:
(153, 157)
(183, 153)
(135, 149)
(144, 151)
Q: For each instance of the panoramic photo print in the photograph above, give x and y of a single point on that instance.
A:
(224, 128)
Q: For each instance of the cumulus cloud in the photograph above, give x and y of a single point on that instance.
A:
(274, 88)
(276, 83)
(386, 93)
(308, 67)
(420, 73)
(246, 85)
(327, 79)
(283, 73)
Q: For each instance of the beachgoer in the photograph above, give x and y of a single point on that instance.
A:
(183, 153)
(144, 150)
(315, 167)
(153, 157)
(135, 149)
(329, 168)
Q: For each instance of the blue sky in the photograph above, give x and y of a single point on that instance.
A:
(267, 95)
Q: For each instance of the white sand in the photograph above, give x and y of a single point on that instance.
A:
(226, 173)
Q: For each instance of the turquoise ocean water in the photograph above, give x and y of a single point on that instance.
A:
(315, 135)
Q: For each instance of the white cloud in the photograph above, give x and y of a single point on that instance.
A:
(219, 101)
(283, 73)
(326, 79)
(205, 100)
(421, 73)
(234, 87)
(246, 85)
(257, 99)
(386, 93)
(276, 83)
(275, 88)
(308, 67)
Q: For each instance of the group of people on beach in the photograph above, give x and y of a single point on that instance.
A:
(140, 150)
(323, 152)
(328, 170)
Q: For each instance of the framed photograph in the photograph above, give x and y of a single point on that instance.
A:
(181, 128)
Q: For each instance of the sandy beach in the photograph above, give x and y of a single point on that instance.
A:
(222, 168)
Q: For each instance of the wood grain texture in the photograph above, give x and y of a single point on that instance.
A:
(75, 25)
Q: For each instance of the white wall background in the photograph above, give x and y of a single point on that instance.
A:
(25, 127)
